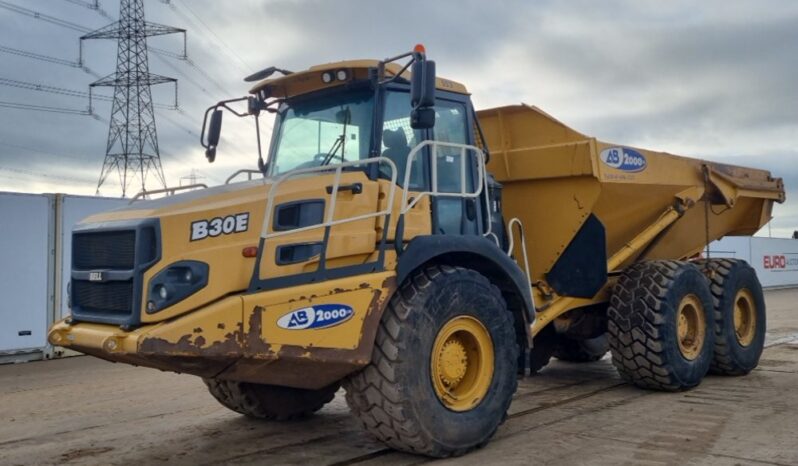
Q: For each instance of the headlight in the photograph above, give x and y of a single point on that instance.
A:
(175, 283)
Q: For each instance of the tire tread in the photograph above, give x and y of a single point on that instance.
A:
(374, 395)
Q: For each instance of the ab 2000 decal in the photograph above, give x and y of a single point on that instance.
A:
(318, 316)
(623, 158)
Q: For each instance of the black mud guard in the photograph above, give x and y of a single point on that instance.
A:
(581, 270)
(475, 252)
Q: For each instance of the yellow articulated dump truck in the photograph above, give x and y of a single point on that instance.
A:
(423, 255)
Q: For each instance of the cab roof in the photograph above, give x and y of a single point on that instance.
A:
(311, 79)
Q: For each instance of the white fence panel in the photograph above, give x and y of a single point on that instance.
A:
(25, 279)
(775, 259)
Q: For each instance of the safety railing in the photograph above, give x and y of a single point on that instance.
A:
(168, 191)
(248, 171)
(329, 220)
(466, 154)
(520, 228)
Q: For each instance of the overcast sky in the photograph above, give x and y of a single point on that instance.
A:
(711, 79)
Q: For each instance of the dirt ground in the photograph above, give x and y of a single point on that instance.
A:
(85, 411)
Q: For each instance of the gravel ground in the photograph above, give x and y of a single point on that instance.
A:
(83, 410)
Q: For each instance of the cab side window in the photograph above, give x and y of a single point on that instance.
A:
(451, 125)
(398, 139)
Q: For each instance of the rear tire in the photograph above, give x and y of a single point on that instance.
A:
(270, 402)
(740, 316)
(590, 350)
(430, 336)
(660, 325)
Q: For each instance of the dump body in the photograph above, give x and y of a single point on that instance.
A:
(554, 178)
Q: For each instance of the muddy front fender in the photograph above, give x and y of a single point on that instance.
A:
(305, 336)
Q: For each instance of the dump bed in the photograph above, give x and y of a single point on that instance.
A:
(556, 179)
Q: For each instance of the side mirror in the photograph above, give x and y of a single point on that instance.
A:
(422, 94)
(214, 133)
(422, 84)
(422, 118)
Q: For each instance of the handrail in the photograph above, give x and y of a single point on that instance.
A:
(482, 179)
(248, 171)
(333, 193)
(169, 191)
(516, 221)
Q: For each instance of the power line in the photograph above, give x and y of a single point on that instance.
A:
(221, 41)
(70, 25)
(221, 45)
(95, 5)
(44, 108)
(37, 56)
(49, 89)
(160, 53)
(47, 58)
(33, 173)
(62, 91)
(83, 29)
(40, 151)
(167, 156)
(91, 5)
(16, 177)
(165, 53)
(43, 17)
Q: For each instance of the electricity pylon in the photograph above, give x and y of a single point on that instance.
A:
(132, 148)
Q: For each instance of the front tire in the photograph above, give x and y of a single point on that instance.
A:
(443, 369)
(269, 402)
(660, 325)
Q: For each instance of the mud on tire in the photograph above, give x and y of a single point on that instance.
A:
(270, 402)
(729, 278)
(642, 327)
(394, 397)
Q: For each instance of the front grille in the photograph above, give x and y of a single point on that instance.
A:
(108, 263)
(107, 298)
(104, 250)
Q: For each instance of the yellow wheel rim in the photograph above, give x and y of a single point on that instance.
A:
(691, 327)
(744, 317)
(462, 363)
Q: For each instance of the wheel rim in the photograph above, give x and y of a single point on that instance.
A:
(462, 363)
(744, 317)
(691, 326)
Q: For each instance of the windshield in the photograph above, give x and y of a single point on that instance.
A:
(323, 130)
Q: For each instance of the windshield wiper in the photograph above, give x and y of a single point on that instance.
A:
(339, 142)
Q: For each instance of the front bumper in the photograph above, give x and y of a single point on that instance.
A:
(226, 339)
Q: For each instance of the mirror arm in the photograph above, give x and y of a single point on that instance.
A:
(416, 56)
(261, 164)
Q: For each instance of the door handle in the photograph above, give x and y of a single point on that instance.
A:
(356, 188)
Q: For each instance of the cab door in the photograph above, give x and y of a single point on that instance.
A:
(319, 225)
(451, 215)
